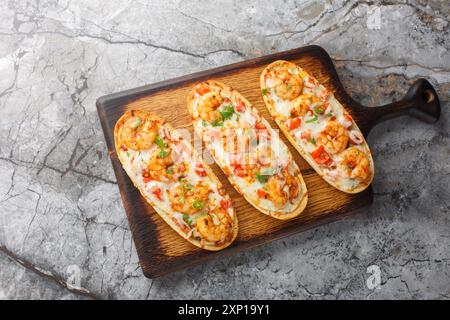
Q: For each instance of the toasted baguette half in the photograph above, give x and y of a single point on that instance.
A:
(238, 113)
(350, 166)
(135, 162)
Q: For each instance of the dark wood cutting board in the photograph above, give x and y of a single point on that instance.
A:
(161, 250)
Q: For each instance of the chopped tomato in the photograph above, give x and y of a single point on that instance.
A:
(239, 105)
(306, 135)
(239, 171)
(225, 204)
(320, 155)
(294, 123)
(200, 172)
(203, 89)
(261, 193)
(122, 147)
(259, 125)
(158, 194)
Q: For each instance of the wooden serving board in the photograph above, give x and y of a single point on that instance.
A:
(161, 250)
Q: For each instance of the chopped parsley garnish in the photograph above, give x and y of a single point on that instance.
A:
(227, 112)
(162, 154)
(264, 91)
(187, 219)
(188, 186)
(313, 119)
(138, 121)
(319, 110)
(264, 175)
(312, 140)
(128, 154)
(170, 171)
(197, 204)
(160, 142)
(329, 114)
(217, 123)
(204, 123)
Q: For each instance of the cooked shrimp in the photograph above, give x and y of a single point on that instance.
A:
(355, 164)
(334, 137)
(294, 186)
(207, 106)
(275, 191)
(300, 108)
(215, 227)
(157, 167)
(139, 133)
(287, 85)
(189, 199)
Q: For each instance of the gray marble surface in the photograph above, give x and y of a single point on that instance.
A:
(63, 230)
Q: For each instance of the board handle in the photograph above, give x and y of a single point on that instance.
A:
(421, 102)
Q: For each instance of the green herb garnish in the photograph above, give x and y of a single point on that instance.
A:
(264, 175)
(187, 219)
(329, 114)
(227, 112)
(288, 86)
(197, 204)
(163, 153)
(312, 119)
(170, 171)
(217, 123)
(312, 140)
(138, 122)
(204, 123)
(318, 110)
(188, 186)
(160, 142)
(264, 91)
(128, 154)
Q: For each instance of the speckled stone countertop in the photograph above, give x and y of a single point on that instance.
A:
(63, 229)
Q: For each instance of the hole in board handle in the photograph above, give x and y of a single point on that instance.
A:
(428, 96)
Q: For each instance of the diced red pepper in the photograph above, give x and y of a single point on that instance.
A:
(158, 194)
(225, 204)
(240, 105)
(320, 155)
(260, 125)
(203, 89)
(261, 193)
(200, 172)
(239, 171)
(294, 123)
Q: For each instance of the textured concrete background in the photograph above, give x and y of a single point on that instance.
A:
(61, 217)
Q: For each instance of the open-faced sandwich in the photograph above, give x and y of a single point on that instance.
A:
(318, 126)
(251, 154)
(174, 180)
